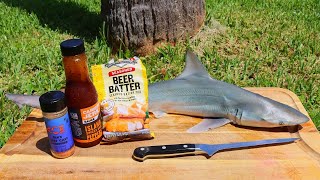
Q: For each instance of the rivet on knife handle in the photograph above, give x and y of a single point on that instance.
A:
(142, 153)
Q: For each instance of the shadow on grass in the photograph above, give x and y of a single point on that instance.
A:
(63, 16)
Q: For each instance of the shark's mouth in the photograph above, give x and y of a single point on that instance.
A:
(261, 123)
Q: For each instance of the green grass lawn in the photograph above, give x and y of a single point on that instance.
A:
(274, 43)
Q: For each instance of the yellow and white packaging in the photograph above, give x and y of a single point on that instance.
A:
(122, 88)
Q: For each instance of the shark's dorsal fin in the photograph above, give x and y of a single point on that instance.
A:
(193, 67)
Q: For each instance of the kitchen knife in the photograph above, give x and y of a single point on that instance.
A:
(142, 153)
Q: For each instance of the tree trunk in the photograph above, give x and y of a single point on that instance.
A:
(142, 25)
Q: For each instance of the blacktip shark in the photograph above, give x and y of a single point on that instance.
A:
(195, 93)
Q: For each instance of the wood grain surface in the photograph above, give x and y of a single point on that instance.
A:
(26, 154)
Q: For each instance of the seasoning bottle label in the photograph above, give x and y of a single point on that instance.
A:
(59, 133)
(86, 123)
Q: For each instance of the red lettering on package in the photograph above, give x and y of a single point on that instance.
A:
(121, 71)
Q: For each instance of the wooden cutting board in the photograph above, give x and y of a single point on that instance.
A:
(27, 155)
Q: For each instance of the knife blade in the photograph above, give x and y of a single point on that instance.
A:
(161, 151)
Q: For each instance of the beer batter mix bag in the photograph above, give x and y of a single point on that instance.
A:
(122, 88)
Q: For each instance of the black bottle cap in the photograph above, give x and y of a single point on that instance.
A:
(72, 47)
(52, 101)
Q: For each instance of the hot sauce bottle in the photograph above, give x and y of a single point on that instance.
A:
(81, 95)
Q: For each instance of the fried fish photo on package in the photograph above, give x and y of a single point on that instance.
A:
(122, 88)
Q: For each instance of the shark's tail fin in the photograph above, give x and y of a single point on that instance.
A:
(21, 100)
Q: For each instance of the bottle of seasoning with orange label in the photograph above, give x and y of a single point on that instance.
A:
(81, 95)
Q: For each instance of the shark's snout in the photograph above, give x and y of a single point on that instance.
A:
(292, 117)
(270, 113)
(287, 115)
(273, 114)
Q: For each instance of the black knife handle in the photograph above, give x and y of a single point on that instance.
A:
(142, 153)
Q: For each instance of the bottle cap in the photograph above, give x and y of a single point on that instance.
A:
(52, 101)
(72, 47)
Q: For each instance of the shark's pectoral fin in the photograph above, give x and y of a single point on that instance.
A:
(208, 124)
(158, 114)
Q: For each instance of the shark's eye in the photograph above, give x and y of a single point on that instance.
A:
(281, 123)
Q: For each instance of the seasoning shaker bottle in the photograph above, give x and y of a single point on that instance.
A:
(55, 114)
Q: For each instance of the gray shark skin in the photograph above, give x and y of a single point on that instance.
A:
(195, 93)
(20, 100)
